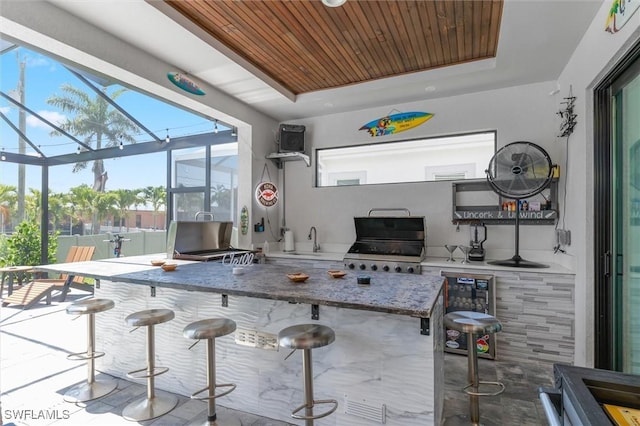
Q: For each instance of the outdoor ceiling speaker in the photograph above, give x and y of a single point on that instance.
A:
(291, 138)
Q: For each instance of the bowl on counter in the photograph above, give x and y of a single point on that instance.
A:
(336, 274)
(158, 262)
(169, 266)
(298, 277)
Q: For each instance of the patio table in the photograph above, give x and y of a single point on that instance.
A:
(13, 272)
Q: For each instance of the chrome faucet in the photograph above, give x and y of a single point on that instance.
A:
(316, 246)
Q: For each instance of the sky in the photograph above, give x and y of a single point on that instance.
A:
(43, 78)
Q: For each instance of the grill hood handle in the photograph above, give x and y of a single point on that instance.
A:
(390, 209)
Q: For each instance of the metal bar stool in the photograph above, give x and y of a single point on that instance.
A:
(152, 405)
(307, 337)
(474, 324)
(209, 329)
(92, 388)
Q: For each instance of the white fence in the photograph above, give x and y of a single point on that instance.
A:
(145, 242)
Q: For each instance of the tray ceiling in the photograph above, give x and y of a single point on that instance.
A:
(306, 46)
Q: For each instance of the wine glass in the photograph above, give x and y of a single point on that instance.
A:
(451, 248)
(465, 250)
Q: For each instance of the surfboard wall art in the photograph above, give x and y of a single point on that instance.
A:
(619, 14)
(185, 83)
(396, 123)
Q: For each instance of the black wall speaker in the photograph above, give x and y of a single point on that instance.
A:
(291, 138)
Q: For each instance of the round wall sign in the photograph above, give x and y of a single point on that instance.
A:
(267, 194)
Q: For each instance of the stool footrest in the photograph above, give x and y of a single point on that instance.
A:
(156, 372)
(223, 385)
(481, 382)
(316, 416)
(83, 356)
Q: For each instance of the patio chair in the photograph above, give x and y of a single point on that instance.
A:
(40, 288)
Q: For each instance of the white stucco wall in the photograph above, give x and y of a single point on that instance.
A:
(592, 60)
(517, 113)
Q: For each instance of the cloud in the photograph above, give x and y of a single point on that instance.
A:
(37, 61)
(53, 116)
(5, 110)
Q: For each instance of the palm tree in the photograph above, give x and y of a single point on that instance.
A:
(93, 120)
(157, 197)
(33, 205)
(83, 197)
(123, 200)
(57, 209)
(103, 207)
(8, 201)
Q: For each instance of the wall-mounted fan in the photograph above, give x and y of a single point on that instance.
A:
(517, 171)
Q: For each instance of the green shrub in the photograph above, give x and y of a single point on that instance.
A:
(23, 247)
(4, 251)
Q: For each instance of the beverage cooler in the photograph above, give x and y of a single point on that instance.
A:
(469, 292)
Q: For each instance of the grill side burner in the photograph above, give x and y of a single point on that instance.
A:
(389, 244)
(201, 241)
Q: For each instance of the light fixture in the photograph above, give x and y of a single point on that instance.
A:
(78, 150)
(215, 127)
(333, 3)
(167, 139)
(2, 156)
(234, 131)
(121, 146)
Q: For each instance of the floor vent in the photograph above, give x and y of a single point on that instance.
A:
(361, 408)
(257, 339)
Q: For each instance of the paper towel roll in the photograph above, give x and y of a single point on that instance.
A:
(288, 241)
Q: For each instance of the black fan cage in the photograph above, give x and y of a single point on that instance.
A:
(520, 170)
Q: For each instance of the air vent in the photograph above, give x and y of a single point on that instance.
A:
(360, 407)
(257, 339)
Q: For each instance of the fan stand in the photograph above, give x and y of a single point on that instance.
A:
(516, 261)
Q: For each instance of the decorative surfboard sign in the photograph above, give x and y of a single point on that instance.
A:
(185, 83)
(244, 220)
(619, 14)
(396, 123)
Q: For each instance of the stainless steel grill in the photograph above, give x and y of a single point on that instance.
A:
(388, 243)
(198, 240)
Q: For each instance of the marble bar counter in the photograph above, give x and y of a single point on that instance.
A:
(385, 366)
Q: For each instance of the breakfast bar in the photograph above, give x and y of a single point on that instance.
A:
(385, 366)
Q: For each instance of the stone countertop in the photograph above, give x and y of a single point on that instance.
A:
(402, 294)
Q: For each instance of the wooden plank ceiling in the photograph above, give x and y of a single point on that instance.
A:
(307, 46)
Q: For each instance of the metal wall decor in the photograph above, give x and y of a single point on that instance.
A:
(568, 116)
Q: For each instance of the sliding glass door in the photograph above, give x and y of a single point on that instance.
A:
(626, 283)
(617, 219)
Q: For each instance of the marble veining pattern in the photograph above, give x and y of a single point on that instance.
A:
(377, 357)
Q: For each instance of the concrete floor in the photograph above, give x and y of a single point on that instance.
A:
(35, 374)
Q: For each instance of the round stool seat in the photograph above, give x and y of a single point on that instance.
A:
(149, 317)
(90, 306)
(209, 328)
(306, 336)
(472, 322)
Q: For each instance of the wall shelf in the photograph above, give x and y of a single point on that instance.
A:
(480, 191)
(280, 157)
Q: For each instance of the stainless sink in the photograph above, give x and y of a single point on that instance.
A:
(303, 253)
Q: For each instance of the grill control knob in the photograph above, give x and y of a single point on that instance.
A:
(374, 267)
(351, 266)
(398, 269)
(385, 268)
(410, 269)
(363, 266)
